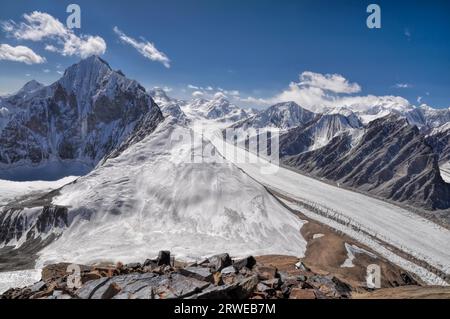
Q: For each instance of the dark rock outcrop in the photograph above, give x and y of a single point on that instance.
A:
(194, 281)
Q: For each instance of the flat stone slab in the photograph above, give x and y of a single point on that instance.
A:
(200, 273)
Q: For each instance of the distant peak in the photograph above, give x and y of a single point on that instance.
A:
(31, 86)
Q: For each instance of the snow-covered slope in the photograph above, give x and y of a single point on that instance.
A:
(219, 109)
(282, 116)
(401, 228)
(83, 116)
(373, 107)
(10, 190)
(391, 160)
(428, 117)
(152, 197)
(168, 105)
(317, 133)
(445, 172)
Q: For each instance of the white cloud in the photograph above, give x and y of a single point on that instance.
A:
(407, 33)
(83, 46)
(193, 87)
(402, 85)
(317, 92)
(40, 26)
(46, 70)
(329, 82)
(28, 75)
(60, 72)
(147, 49)
(197, 94)
(419, 99)
(20, 54)
(219, 95)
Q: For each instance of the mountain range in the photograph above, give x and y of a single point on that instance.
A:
(139, 186)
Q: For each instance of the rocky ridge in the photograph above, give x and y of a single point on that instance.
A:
(217, 277)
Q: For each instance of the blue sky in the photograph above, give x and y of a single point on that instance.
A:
(255, 47)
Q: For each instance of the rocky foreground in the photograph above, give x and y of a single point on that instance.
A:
(217, 277)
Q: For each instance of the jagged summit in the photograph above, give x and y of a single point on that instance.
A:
(30, 86)
(83, 116)
(281, 115)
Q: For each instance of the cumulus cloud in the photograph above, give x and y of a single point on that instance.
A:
(318, 92)
(20, 54)
(330, 82)
(147, 49)
(40, 26)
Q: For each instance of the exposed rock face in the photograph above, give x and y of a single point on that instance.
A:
(282, 115)
(317, 133)
(83, 116)
(16, 222)
(439, 140)
(391, 159)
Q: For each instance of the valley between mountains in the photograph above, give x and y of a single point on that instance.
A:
(98, 171)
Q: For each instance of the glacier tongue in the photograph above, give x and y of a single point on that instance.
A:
(152, 197)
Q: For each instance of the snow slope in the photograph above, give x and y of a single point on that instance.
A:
(445, 172)
(10, 190)
(152, 197)
(404, 230)
(18, 279)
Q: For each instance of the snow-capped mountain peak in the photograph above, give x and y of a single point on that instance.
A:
(282, 115)
(83, 116)
(30, 87)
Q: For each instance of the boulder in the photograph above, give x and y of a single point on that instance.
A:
(93, 275)
(272, 283)
(200, 273)
(112, 290)
(247, 262)
(163, 258)
(181, 286)
(216, 292)
(228, 270)
(37, 287)
(55, 271)
(88, 290)
(264, 288)
(219, 262)
(331, 286)
(267, 272)
(246, 287)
